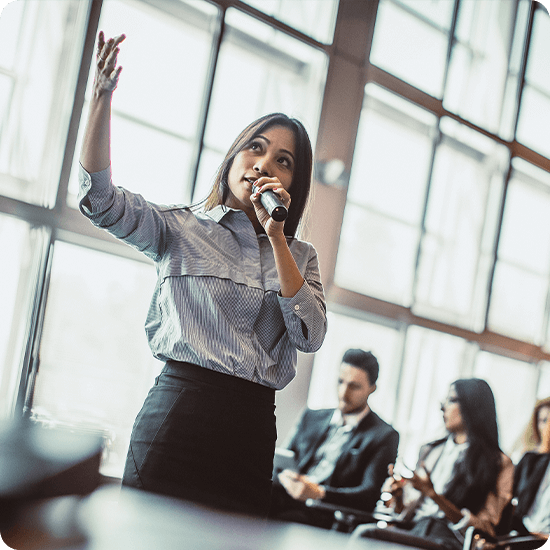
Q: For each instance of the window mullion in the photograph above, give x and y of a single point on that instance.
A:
(217, 40)
(34, 324)
(78, 102)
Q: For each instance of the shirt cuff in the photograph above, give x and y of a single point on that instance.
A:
(93, 189)
(298, 304)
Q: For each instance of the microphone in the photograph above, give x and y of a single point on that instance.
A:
(273, 204)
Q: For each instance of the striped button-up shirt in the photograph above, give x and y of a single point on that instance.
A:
(216, 302)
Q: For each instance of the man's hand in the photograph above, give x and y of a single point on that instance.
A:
(392, 490)
(300, 487)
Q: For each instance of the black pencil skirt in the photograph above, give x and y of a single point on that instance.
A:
(207, 437)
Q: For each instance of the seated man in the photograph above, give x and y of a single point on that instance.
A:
(342, 455)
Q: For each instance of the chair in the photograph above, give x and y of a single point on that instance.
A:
(375, 525)
(361, 524)
(477, 540)
(346, 519)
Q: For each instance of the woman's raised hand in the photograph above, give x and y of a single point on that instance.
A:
(107, 73)
(96, 151)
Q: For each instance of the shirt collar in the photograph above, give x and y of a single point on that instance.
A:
(218, 212)
(350, 421)
(221, 210)
(452, 444)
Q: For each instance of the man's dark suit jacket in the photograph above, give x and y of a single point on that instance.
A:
(363, 464)
(527, 479)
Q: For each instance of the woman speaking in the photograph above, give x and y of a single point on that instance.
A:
(237, 295)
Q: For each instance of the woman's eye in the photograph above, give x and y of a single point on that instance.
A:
(285, 162)
(255, 145)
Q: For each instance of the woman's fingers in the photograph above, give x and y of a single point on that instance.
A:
(276, 186)
(113, 78)
(107, 71)
(118, 39)
(106, 49)
(110, 60)
(100, 42)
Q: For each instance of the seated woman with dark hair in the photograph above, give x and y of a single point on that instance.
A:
(532, 477)
(461, 480)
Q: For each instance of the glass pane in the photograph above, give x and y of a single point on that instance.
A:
(432, 361)
(347, 332)
(376, 255)
(525, 235)
(523, 264)
(315, 18)
(534, 116)
(410, 46)
(437, 12)
(171, 99)
(95, 364)
(6, 87)
(543, 389)
(536, 71)
(24, 246)
(43, 74)
(11, 16)
(210, 161)
(534, 121)
(261, 70)
(155, 118)
(392, 157)
(518, 301)
(457, 248)
(386, 198)
(479, 62)
(163, 181)
(513, 383)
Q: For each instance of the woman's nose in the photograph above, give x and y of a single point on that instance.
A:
(261, 167)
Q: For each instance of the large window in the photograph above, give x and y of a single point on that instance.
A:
(445, 229)
(381, 229)
(260, 70)
(41, 47)
(74, 302)
(95, 367)
(434, 231)
(534, 116)
(24, 249)
(519, 305)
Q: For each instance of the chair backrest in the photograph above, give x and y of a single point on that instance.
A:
(476, 540)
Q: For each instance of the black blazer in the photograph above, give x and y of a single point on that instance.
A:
(527, 479)
(362, 467)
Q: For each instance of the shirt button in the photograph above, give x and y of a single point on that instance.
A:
(296, 307)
